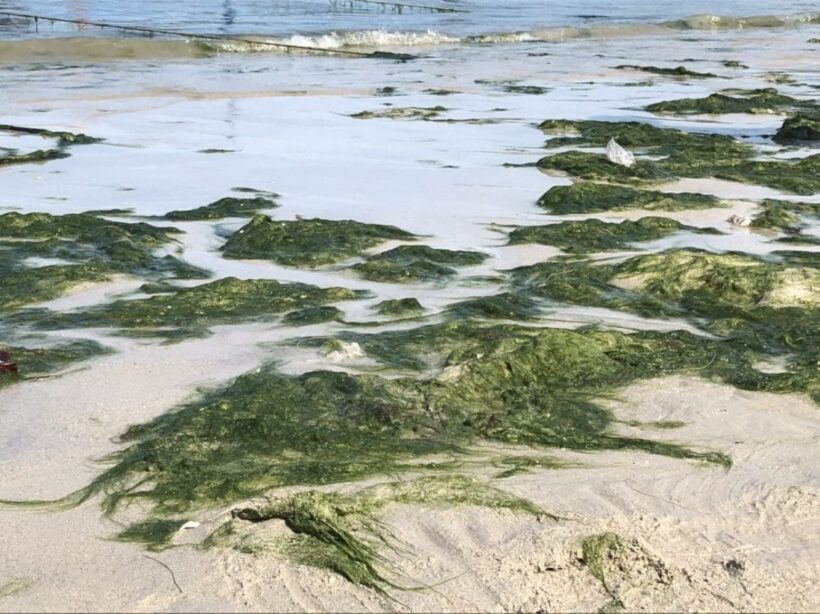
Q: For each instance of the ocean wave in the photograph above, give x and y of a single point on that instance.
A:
(92, 48)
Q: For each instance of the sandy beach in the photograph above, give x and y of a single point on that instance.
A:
(630, 419)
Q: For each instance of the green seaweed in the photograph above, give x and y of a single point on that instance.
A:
(63, 138)
(307, 242)
(39, 362)
(224, 301)
(505, 306)
(154, 534)
(593, 235)
(313, 315)
(399, 307)
(525, 89)
(798, 129)
(423, 113)
(784, 215)
(679, 71)
(225, 207)
(766, 100)
(416, 263)
(596, 197)
(39, 155)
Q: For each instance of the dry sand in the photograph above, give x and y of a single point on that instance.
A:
(745, 539)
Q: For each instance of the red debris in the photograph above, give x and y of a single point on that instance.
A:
(7, 365)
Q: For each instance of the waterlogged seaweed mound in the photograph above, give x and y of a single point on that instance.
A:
(785, 215)
(802, 128)
(224, 301)
(501, 383)
(38, 362)
(311, 242)
(679, 71)
(597, 197)
(87, 248)
(416, 263)
(63, 141)
(423, 113)
(766, 100)
(756, 308)
(675, 154)
(399, 307)
(594, 235)
(225, 207)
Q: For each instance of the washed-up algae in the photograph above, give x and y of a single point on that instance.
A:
(598, 197)
(799, 129)
(225, 207)
(307, 242)
(785, 215)
(38, 362)
(679, 71)
(399, 307)
(225, 301)
(766, 100)
(621, 565)
(505, 306)
(525, 89)
(87, 248)
(755, 307)
(313, 315)
(63, 141)
(402, 113)
(416, 263)
(593, 235)
(674, 154)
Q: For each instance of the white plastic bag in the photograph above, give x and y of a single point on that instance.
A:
(618, 155)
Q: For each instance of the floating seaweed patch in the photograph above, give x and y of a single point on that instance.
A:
(505, 306)
(416, 263)
(785, 215)
(402, 113)
(224, 301)
(598, 197)
(38, 362)
(63, 141)
(399, 307)
(593, 235)
(680, 72)
(313, 315)
(800, 128)
(307, 242)
(525, 89)
(225, 207)
(766, 100)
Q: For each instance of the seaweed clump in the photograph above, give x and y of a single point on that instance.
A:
(224, 301)
(800, 128)
(423, 113)
(675, 154)
(593, 235)
(86, 248)
(597, 197)
(63, 141)
(311, 242)
(399, 307)
(225, 207)
(766, 100)
(785, 215)
(416, 263)
(679, 71)
(39, 362)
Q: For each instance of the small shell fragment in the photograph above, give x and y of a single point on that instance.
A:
(191, 524)
(618, 155)
(739, 220)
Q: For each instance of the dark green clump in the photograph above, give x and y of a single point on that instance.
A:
(766, 100)
(679, 71)
(733, 64)
(593, 235)
(310, 242)
(423, 113)
(225, 207)
(399, 307)
(38, 362)
(596, 197)
(525, 89)
(154, 534)
(64, 140)
(506, 306)
(683, 155)
(503, 383)
(225, 301)
(801, 128)
(90, 248)
(40, 155)
(785, 215)
(313, 315)
(416, 263)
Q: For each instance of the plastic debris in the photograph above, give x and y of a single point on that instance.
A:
(618, 155)
(739, 220)
(346, 351)
(7, 364)
(191, 524)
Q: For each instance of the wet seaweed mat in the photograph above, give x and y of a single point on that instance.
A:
(39, 362)
(766, 100)
(307, 242)
(62, 140)
(598, 197)
(225, 207)
(416, 263)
